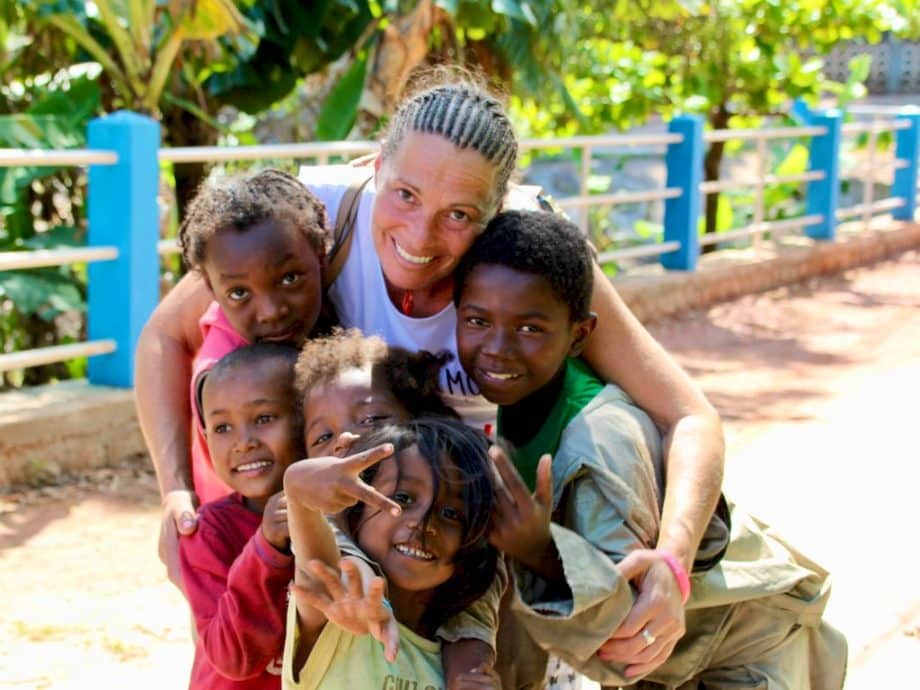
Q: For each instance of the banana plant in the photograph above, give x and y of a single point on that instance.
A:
(136, 42)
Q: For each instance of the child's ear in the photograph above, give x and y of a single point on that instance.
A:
(582, 330)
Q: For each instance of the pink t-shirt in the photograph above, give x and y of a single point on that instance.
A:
(220, 338)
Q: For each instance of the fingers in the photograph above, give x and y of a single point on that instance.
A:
(344, 443)
(371, 456)
(180, 504)
(353, 579)
(391, 639)
(636, 564)
(310, 599)
(516, 490)
(329, 578)
(370, 496)
(544, 492)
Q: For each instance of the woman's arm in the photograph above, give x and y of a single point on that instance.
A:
(161, 379)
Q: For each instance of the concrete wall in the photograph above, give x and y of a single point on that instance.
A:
(72, 425)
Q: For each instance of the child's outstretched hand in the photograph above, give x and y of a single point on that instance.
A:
(520, 521)
(275, 522)
(351, 605)
(329, 485)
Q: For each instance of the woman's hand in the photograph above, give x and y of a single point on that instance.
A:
(656, 615)
(520, 521)
(179, 517)
(329, 484)
(275, 522)
(350, 603)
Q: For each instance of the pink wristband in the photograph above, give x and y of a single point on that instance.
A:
(683, 580)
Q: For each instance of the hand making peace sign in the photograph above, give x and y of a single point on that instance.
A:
(329, 484)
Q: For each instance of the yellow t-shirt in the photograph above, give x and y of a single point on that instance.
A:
(341, 660)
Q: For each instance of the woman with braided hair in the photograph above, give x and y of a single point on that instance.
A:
(442, 173)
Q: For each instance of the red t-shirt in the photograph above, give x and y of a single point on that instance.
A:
(237, 585)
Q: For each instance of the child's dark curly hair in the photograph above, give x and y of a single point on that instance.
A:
(542, 244)
(411, 376)
(445, 442)
(241, 201)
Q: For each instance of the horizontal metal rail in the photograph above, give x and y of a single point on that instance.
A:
(56, 353)
(753, 134)
(41, 158)
(618, 198)
(875, 207)
(880, 110)
(169, 246)
(864, 171)
(722, 185)
(322, 150)
(873, 126)
(638, 252)
(771, 226)
(609, 140)
(10, 261)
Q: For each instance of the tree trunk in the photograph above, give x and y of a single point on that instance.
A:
(401, 48)
(711, 167)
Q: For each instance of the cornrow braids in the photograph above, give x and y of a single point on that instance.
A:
(412, 377)
(239, 202)
(465, 114)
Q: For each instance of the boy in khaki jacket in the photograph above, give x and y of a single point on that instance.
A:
(753, 616)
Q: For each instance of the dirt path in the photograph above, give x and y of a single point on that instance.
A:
(817, 385)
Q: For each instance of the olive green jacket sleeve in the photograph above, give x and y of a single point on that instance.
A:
(606, 503)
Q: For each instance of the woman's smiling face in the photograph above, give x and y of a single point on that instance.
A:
(433, 199)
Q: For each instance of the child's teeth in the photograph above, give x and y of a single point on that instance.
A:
(415, 553)
(253, 466)
(503, 377)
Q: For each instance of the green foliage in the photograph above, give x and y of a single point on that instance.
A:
(46, 306)
(341, 107)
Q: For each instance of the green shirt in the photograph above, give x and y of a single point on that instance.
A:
(579, 388)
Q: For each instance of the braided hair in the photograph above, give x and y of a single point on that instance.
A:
(239, 202)
(461, 111)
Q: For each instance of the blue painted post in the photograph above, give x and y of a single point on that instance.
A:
(682, 214)
(123, 213)
(905, 179)
(822, 195)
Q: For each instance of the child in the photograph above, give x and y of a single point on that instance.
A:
(237, 566)
(259, 241)
(348, 385)
(753, 620)
(429, 541)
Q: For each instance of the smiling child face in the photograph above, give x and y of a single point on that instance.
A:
(514, 333)
(250, 428)
(416, 549)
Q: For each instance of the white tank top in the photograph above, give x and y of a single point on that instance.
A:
(360, 296)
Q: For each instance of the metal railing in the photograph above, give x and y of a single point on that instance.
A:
(124, 156)
(55, 257)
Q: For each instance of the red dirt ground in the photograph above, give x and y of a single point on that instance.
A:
(817, 385)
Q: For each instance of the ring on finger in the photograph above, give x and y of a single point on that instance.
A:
(648, 637)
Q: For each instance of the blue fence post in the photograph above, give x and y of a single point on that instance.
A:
(123, 213)
(685, 171)
(822, 195)
(905, 179)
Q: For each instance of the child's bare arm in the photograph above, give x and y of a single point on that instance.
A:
(314, 487)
